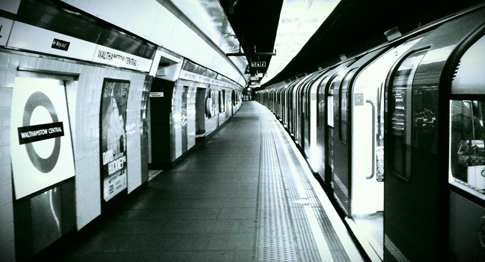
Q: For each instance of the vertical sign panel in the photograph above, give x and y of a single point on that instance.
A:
(40, 135)
(113, 136)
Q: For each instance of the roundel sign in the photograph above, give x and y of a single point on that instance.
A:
(41, 148)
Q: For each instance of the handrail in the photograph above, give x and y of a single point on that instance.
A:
(373, 139)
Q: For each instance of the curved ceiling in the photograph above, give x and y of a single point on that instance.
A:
(353, 27)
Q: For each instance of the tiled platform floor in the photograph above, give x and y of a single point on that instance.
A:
(242, 195)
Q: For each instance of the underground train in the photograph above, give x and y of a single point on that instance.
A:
(396, 137)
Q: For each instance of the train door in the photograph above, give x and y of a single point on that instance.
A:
(299, 110)
(287, 107)
(273, 100)
(329, 132)
(367, 159)
(339, 141)
(309, 113)
(280, 112)
(305, 116)
(278, 103)
(315, 154)
(301, 116)
(296, 105)
(321, 129)
(367, 148)
(291, 111)
(282, 103)
(410, 202)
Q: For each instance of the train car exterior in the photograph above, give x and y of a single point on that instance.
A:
(399, 141)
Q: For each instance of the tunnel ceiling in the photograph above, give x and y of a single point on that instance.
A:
(353, 26)
(255, 23)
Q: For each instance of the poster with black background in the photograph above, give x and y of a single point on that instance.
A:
(113, 136)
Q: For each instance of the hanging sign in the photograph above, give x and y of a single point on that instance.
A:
(258, 64)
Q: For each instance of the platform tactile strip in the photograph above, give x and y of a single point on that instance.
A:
(284, 232)
(275, 240)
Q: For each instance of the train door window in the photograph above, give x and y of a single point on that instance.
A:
(308, 97)
(302, 98)
(400, 113)
(344, 106)
(297, 100)
(320, 101)
(330, 101)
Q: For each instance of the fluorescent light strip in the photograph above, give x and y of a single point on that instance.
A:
(299, 20)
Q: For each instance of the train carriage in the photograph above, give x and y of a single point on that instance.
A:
(397, 136)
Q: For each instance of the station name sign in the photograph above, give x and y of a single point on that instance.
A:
(110, 56)
(29, 134)
(258, 64)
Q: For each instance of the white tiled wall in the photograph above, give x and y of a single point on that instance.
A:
(7, 247)
(133, 127)
(86, 136)
(84, 98)
(161, 26)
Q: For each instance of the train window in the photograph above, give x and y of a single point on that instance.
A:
(303, 98)
(400, 113)
(306, 95)
(321, 100)
(330, 100)
(467, 152)
(344, 106)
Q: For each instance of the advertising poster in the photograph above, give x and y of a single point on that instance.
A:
(40, 135)
(113, 137)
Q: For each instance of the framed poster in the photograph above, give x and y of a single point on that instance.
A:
(40, 135)
(114, 168)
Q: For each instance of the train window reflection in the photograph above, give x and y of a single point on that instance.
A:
(344, 106)
(321, 101)
(330, 105)
(400, 112)
(467, 154)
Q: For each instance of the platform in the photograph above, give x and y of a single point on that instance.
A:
(244, 194)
